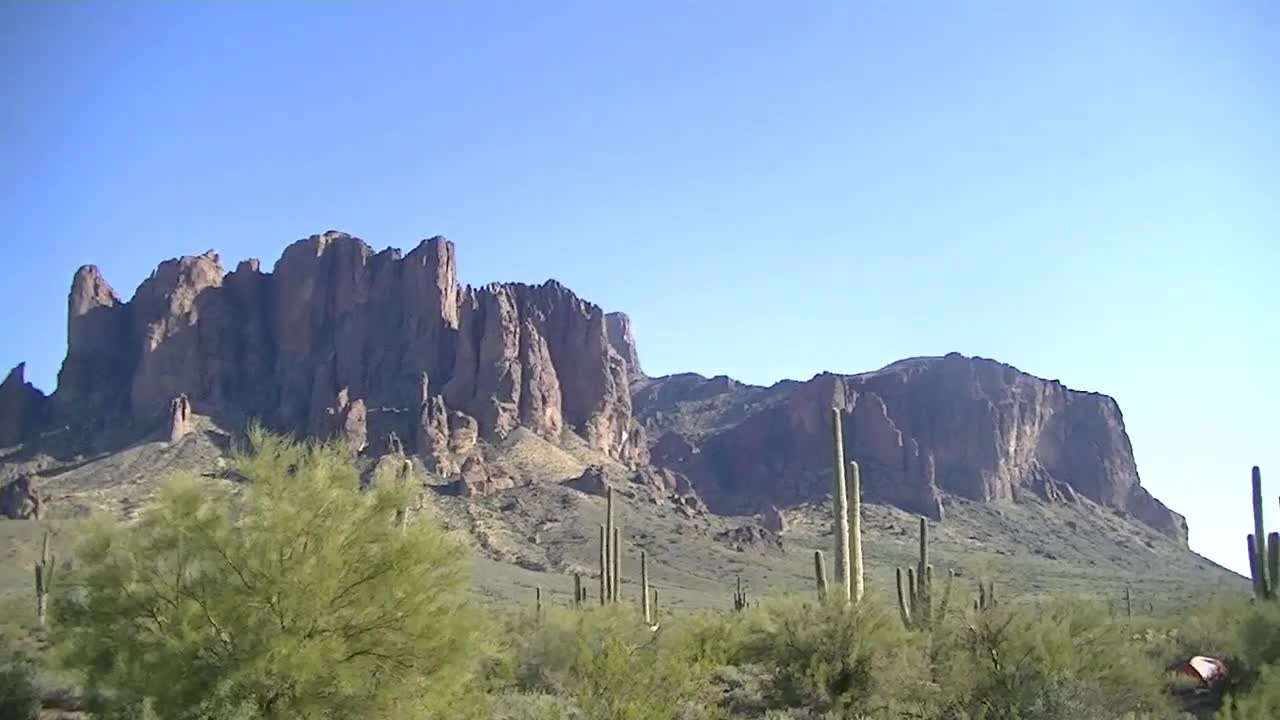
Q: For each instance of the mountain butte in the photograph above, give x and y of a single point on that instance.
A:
(388, 353)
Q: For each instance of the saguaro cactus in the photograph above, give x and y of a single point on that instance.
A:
(1264, 549)
(577, 590)
(739, 597)
(820, 574)
(855, 529)
(915, 596)
(1128, 602)
(840, 508)
(644, 588)
(654, 608)
(609, 549)
(604, 565)
(616, 547)
(986, 596)
(44, 577)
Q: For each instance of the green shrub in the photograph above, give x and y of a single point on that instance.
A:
(1067, 660)
(1261, 701)
(19, 696)
(612, 666)
(852, 661)
(299, 598)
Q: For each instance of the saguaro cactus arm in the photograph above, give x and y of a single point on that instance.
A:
(904, 599)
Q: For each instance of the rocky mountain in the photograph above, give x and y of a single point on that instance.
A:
(389, 353)
(921, 430)
(340, 340)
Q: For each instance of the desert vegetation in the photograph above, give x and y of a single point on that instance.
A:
(295, 592)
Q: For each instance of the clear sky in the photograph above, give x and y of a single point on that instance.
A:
(769, 189)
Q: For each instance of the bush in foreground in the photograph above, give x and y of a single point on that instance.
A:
(302, 597)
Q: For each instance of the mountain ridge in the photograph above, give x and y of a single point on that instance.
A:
(388, 351)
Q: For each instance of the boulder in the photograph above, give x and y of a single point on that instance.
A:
(477, 480)
(180, 422)
(20, 501)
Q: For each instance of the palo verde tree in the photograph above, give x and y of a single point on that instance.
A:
(299, 596)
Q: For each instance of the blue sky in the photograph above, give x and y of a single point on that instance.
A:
(1089, 192)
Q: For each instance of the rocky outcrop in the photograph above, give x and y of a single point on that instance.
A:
(478, 480)
(93, 381)
(623, 341)
(920, 429)
(774, 521)
(180, 424)
(346, 421)
(746, 537)
(593, 481)
(22, 407)
(19, 500)
(336, 319)
(667, 486)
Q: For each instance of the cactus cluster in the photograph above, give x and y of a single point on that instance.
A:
(1264, 549)
(610, 555)
(986, 597)
(739, 597)
(846, 506)
(915, 591)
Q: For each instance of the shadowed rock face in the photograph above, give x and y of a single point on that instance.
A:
(919, 429)
(22, 407)
(340, 340)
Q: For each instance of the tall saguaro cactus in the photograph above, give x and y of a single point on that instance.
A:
(44, 577)
(855, 529)
(644, 589)
(840, 508)
(604, 565)
(1264, 549)
(820, 574)
(616, 548)
(609, 548)
(915, 596)
(610, 555)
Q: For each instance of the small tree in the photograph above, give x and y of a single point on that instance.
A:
(299, 597)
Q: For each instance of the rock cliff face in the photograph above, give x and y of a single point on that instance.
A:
(339, 340)
(921, 428)
(22, 407)
(380, 349)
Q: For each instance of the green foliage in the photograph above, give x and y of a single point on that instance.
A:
(834, 657)
(1261, 702)
(300, 597)
(1069, 659)
(611, 665)
(19, 696)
